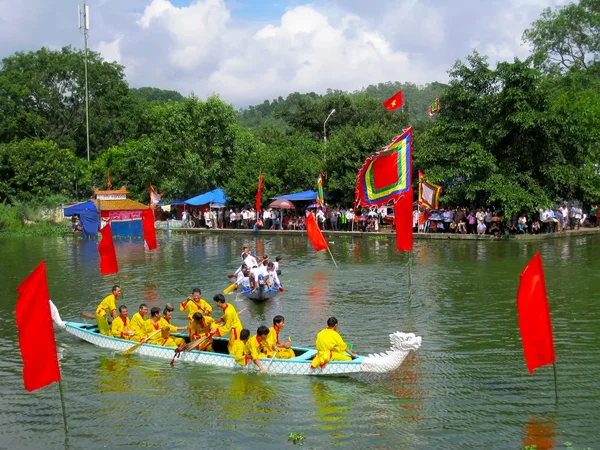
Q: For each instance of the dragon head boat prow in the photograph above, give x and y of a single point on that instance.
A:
(402, 344)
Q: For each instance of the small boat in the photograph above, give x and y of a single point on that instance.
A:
(401, 345)
(261, 294)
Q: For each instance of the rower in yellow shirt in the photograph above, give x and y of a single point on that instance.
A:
(195, 304)
(229, 323)
(330, 346)
(107, 307)
(238, 349)
(256, 349)
(165, 321)
(201, 326)
(283, 351)
(138, 322)
(121, 326)
(152, 325)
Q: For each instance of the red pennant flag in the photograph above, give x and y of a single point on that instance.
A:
(403, 218)
(106, 248)
(534, 316)
(259, 192)
(393, 102)
(36, 334)
(149, 231)
(314, 233)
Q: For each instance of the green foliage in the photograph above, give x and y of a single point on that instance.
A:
(151, 94)
(296, 438)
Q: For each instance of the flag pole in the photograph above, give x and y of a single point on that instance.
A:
(331, 256)
(555, 381)
(409, 276)
(62, 402)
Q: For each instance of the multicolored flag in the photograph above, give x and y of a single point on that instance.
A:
(36, 333)
(314, 233)
(259, 192)
(429, 193)
(154, 197)
(434, 108)
(394, 102)
(534, 316)
(106, 248)
(320, 194)
(148, 228)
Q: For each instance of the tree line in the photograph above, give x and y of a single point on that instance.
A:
(517, 136)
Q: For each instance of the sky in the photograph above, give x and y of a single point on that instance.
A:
(247, 51)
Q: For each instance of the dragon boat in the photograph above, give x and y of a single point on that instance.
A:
(401, 345)
(261, 294)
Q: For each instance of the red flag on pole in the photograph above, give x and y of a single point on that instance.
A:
(393, 102)
(314, 233)
(36, 333)
(259, 192)
(534, 316)
(403, 218)
(148, 226)
(106, 248)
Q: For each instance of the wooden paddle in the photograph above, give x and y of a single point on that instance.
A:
(229, 288)
(192, 345)
(130, 350)
(86, 315)
(275, 354)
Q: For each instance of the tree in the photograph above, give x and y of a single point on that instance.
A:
(151, 94)
(567, 37)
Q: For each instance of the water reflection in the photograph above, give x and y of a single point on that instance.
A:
(540, 433)
(333, 405)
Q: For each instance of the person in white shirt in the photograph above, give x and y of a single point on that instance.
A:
(208, 218)
(250, 261)
(242, 277)
(267, 219)
(350, 218)
(276, 264)
(272, 278)
(232, 218)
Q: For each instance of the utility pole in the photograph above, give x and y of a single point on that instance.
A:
(84, 24)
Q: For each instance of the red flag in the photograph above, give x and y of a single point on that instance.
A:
(148, 226)
(393, 102)
(403, 218)
(534, 316)
(314, 233)
(36, 334)
(106, 248)
(259, 192)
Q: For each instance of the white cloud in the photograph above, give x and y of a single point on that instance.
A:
(341, 44)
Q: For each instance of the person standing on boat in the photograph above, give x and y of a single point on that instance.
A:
(107, 307)
(238, 349)
(272, 278)
(230, 322)
(278, 259)
(195, 304)
(242, 278)
(138, 322)
(121, 326)
(256, 347)
(201, 326)
(330, 346)
(165, 321)
(274, 346)
(152, 325)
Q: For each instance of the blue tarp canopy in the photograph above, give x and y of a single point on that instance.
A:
(88, 214)
(216, 196)
(304, 195)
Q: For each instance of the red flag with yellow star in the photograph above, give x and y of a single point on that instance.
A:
(394, 102)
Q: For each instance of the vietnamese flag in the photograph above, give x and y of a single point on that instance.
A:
(259, 192)
(314, 233)
(106, 248)
(149, 231)
(393, 102)
(36, 333)
(534, 316)
(403, 218)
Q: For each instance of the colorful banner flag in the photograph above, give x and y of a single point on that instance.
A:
(403, 218)
(394, 102)
(259, 192)
(434, 108)
(314, 233)
(106, 248)
(320, 194)
(534, 316)
(154, 197)
(386, 175)
(429, 193)
(36, 333)
(148, 227)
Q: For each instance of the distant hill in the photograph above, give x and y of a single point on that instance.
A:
(157, 95)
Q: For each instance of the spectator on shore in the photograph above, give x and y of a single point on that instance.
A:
(471, 219)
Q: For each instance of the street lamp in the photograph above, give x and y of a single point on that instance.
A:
(324, 124)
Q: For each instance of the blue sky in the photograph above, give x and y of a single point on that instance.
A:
(247, 51)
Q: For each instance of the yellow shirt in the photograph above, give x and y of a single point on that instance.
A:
(196, 329)
(138, 324)
(238, 351)
(151, 328)
(255, 348)
(330, 346)
(107, 305)
(230, 323)
(119, 326)
(163, 323)
(271, 340)
(192, 307)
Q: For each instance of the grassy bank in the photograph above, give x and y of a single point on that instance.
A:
(33, 218)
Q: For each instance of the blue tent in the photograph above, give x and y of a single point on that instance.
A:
(305, 195)
(88, 214)
(216, 196)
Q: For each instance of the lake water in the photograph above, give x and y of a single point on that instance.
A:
(467, 387)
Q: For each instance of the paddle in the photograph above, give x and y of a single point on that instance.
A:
(86, 315)
(192, 345)
(229, 288)
(275, 354)
(130, 350)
